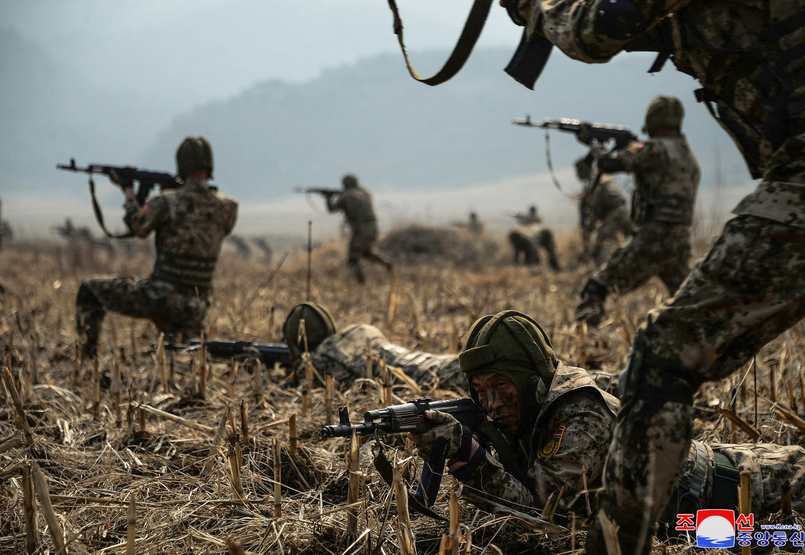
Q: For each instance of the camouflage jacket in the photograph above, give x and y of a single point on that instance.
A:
(747, 54)
(666, 179)
(573, 429)
(343, 355)
(601, 202)
(356, 203)
(190, 224)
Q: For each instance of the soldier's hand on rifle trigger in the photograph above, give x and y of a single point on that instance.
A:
(117, 180)
(447, 438)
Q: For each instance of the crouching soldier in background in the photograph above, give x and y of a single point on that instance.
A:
(558, 427)
(344, 354)
(190, 224)
(529, 237)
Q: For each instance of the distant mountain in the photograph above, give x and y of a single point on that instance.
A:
(372, 119)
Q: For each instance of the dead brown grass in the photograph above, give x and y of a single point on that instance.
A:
(94, 468)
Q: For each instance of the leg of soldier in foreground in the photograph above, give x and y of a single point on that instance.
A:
(631, 266)
(748, 290)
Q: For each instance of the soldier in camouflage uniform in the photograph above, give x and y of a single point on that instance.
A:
(666, 182)
(344, 354)
(530, 237)
(356, 204)
(557, 427)
(751, 286)
(602, 213)
(190, 224)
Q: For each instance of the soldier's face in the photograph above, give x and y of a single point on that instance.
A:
(500, 399)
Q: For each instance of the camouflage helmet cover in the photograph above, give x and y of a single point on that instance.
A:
(349, 181)
(319, 325)
(515, 346)
(664, 111)
(195, 153)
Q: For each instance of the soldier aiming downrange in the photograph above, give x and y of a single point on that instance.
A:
(356, 204)
(190, 224)
(666, 181)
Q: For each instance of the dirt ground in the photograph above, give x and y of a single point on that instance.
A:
(100, 447)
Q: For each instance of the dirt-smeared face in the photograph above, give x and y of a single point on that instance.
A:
(500, 399)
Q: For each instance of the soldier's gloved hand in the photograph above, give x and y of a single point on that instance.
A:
(443, 440)
(117, 180)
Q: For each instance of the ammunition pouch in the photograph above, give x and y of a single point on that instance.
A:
(193, 272)
(663, 208)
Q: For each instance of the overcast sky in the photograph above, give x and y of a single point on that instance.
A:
(210, 49)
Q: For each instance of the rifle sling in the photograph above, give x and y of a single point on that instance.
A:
(99, 214)
(461, 52)
(504, 451)
(386, 472)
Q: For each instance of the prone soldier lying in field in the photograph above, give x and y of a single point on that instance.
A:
(559, 426)
(344, 354)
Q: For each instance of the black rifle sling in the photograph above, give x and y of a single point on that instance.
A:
(386, 472)
(504, 451)
(99, 214)
(461, 52)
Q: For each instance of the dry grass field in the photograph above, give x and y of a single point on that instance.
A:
(102, 463)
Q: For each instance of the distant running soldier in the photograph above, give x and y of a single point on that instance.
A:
(530, 237)
(190, 224)
(666, 181)
(356, 204)
(603, 216)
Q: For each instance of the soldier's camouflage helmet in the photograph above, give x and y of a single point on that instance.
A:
(514, 345)
(664, 111)
(349, 181)
(583, 168)
(195, 153)
(319, 325)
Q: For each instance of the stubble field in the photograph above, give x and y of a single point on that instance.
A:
(204, 484)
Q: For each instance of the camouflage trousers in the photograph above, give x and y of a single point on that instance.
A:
(744, 293)
(173, 310)
(361, 245)
(609, 233)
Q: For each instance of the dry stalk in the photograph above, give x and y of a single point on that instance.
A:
(244, 423)
(293, 436)
(454, 540)
(368, 360)
(328, 401)
(610, 532)
(745, 494)
(277, 480)
(131, 526)
(133, 342)
(29, 505)
(747, 428)
(117, 388)
(216, 441)
(233, 376)
(77, 372)
(163, 369)
(234, 467)
(353, 492)
(43, 494)
(202, 369)
(11, 442)
(143, 420)
(96, 390)
(586, 491)
(178, 419)
(405, 534)
(22, 421)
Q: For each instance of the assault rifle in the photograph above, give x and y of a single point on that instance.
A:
(319, 191)
(410, 417)
(125, 176)
(585, 132)
(269, 353)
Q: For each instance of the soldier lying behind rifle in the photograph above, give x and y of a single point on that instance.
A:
(558, 427)
(343, 354)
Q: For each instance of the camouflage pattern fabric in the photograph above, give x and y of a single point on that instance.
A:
(356, 204)
(747, 56)
(190, 225)
(604, 217)
(343, 355)
(527, 241)
(573, 429)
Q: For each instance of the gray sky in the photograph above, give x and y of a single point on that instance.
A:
(211, 49)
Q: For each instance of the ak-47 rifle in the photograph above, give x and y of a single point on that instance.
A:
(124, 176)
(586, 132)
(319, 191)
(269, 353)
(410, 417)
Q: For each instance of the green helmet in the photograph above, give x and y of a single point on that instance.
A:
(515, 346)
(349, 181)
(319, 325)
(195, 153)
(664, 111)
(583, 168)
